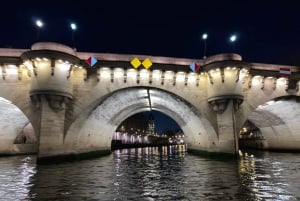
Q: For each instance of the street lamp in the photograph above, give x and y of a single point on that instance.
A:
(39, 24)
(204, 37)
(232, 40)
(73, 27)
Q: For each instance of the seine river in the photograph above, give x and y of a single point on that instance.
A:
(166, 173)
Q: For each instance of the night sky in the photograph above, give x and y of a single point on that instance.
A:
(267, 31)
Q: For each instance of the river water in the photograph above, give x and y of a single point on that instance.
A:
(165, 173)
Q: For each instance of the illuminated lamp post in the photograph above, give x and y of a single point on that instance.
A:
(204, 37)
(39, 24)
(73, 27)
(232, 40)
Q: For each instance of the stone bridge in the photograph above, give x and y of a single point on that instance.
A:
(74, 108)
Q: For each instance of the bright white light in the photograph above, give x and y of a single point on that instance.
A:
(204, 36)
(192, 77)
(233, 38)
(169, 75)
(64, 66)
(12, 70)
(243, 72)
(281, 81)
(28, 64)
(256, 80)
(144, 73)
(156, 74)
(118, 72)
(105, 72)
(180, 76)
(73, 26)
(39, 23)
(131, 73)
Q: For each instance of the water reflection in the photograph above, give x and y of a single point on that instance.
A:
(156, 173)
(267, 175)
(16, 177)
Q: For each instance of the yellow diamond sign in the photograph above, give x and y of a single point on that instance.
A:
(147, 63)
(135, 62)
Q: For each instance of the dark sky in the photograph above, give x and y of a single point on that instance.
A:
(268, 31)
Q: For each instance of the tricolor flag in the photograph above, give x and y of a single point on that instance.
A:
(194, 67)
(285, 72)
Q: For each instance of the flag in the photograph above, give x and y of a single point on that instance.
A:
(135, 62)
(194, 67)
(91, 61)
(285, 72)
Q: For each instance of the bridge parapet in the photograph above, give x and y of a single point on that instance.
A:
(272, 71)
(222, 57)
(53, 47)
(144, 77)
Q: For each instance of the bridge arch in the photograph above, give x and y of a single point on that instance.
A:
(278, 122)
(17, 135)
(94, 129)
(259, 89)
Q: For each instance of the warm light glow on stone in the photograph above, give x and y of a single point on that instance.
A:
(104, 72)
(118, 72)
(169, 75)
(281, 81)
(28, 65)
(144, 73)
(131, 73)
(64, 66)
(243, 73)
(12, 70)
(156, 74)
(180, 76)
(256, 80)
(192, 77)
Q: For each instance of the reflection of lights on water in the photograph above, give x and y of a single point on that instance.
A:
(16, 181)
(151, 178)
(262, 182)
